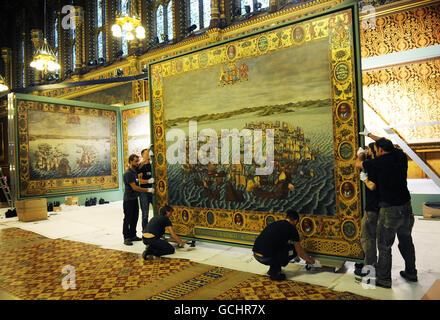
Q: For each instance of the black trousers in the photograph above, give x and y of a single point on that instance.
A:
(158, 247)
(281, 258)
(131, 216)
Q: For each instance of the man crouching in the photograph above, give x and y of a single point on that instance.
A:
(156, 227)
(279, 243)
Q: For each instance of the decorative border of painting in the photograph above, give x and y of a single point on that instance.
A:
(338, 236)
(28, 188)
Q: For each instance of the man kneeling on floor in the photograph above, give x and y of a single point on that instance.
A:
(279, 243)
(156, 227)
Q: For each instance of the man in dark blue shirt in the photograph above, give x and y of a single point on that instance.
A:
(279, 243)
(156, 227)
(370, 217)
(395, 213)
(131, 204)
(146, 181)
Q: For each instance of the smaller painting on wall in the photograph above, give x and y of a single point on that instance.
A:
(136, 132)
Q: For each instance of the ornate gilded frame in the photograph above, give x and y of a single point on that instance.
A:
(336, 236)
(28, 187)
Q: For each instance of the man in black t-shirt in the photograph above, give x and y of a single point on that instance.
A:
(279, 243)
(146, 181)
(155, 246)
(371, 215)
(130, 204)
(395, 213)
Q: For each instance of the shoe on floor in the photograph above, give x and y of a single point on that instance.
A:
(385, 285)
(136, 239)
(358, 265)
(358, 272)
(278, 277)
(127, 242)
(408, 277)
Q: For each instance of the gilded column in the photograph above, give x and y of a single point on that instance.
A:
(215, 14)
(37, 40)
(79, 25)
(222, 13)
(7, 59)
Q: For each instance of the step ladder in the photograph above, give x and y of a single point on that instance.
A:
(6, 191)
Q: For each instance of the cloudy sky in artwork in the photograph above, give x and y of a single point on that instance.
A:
(287, 75)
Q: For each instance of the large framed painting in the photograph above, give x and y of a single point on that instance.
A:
(247, 129)
(135, 132)
(65, 148)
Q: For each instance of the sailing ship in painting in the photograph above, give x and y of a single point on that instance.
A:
(291, 153)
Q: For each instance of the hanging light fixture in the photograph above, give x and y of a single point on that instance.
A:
(128, 22)
(44, 58)
(3, 86)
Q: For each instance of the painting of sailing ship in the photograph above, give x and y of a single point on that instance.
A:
(68, 145)
(295, 102)
(138, 131)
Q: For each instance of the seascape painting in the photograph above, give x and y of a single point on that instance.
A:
(136, 131)
(65, 149)
(288, 91)
(68, 146)
(252, 127)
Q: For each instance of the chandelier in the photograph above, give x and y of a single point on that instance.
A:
(128, 22)
(44, 58)
(3, 86)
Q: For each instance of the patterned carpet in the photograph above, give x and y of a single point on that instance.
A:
(31, 268)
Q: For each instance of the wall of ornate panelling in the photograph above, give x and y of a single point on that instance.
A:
(407, 93)
(416, 28)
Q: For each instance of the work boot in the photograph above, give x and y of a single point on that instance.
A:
(408, 277)
(127, 242)
(278, 277)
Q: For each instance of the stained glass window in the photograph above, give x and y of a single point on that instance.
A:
(73, 48)
(99, 13)
(264, 3)
(170, 20)
(207, 13)
(246, 3)
(55, 33)
(100, 53)
(124, 8)
(160, 23)
(194, 13)
(73, 56)
(124, 43)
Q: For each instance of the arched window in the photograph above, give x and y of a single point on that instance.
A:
(100, 29)
(170, 20)
(206, 13)
(250, 3)
(160, 22)
(73, 48)
(55, 34)
(200, 13)
(100, 52)
(100, 13)
(124, 9)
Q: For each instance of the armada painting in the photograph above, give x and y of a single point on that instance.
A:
(66, 148)
(266, 82)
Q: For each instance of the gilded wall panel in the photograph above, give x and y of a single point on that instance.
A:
(417, 28)
(407, 94)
